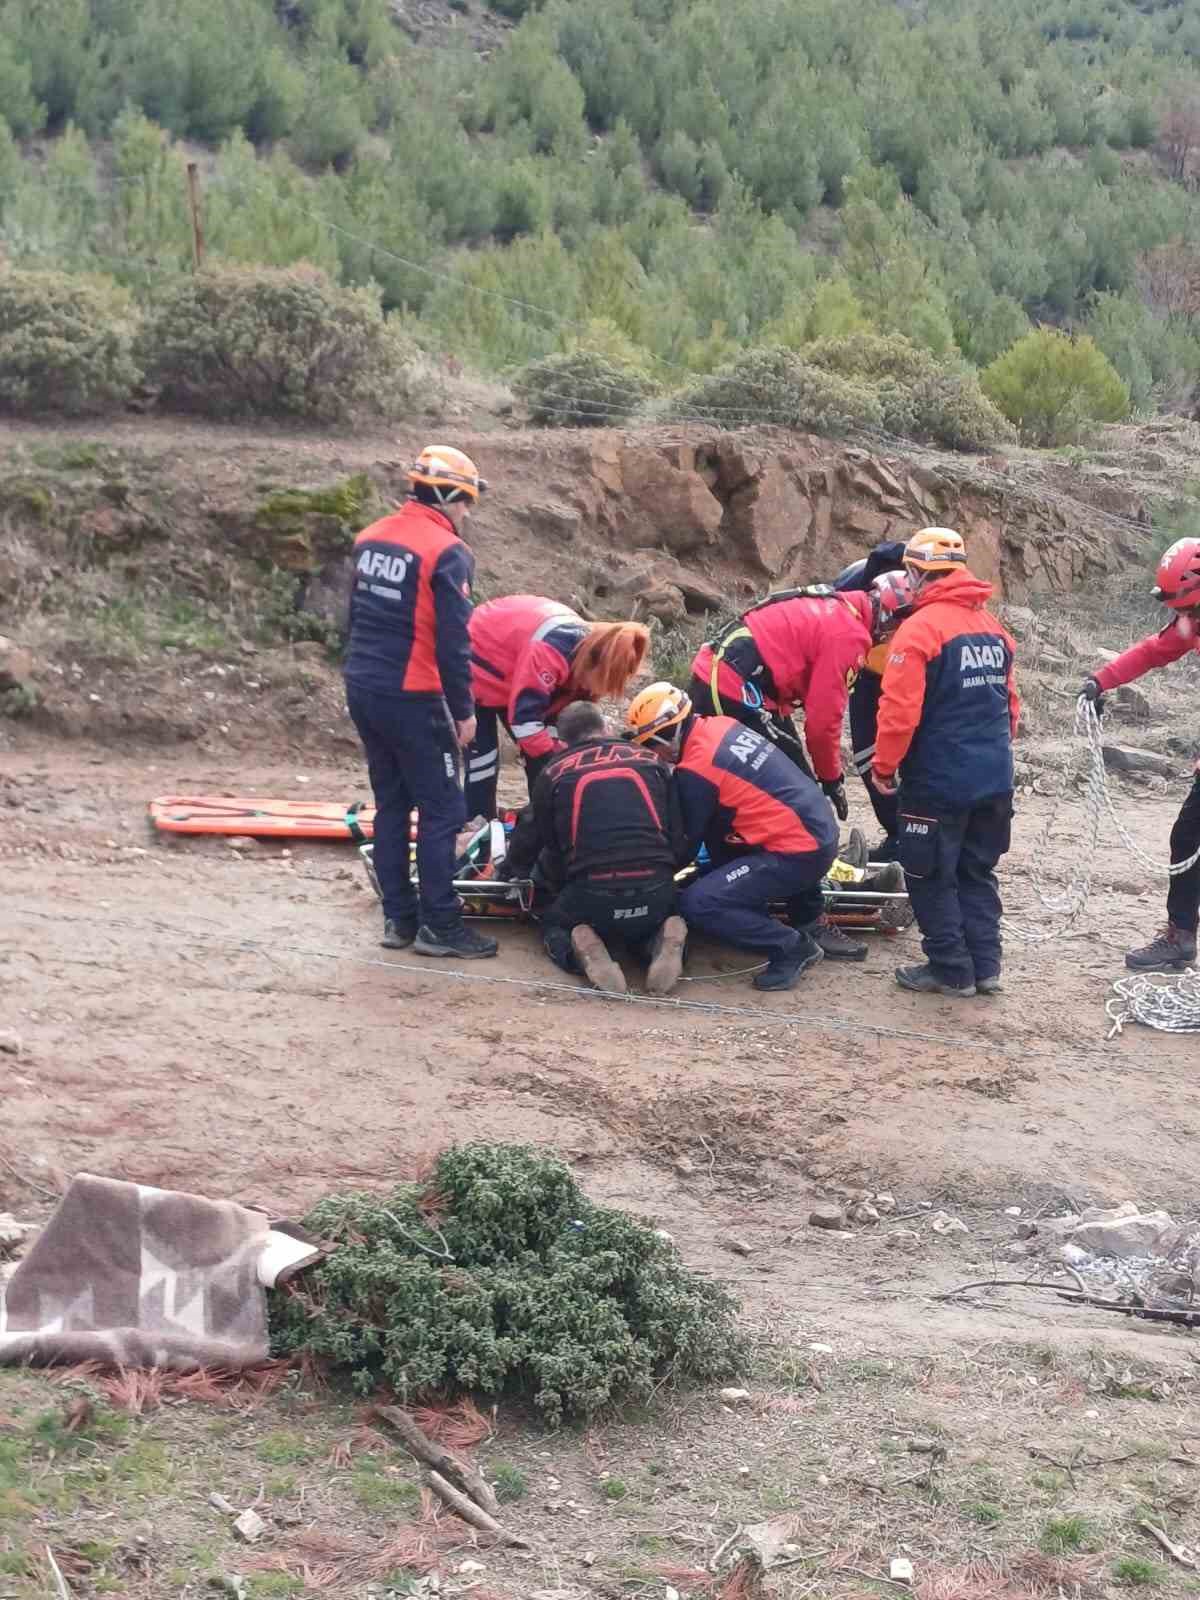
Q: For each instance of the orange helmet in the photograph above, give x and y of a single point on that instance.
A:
(654, 710)
(450, 473)
(609, 656)
(935, 550)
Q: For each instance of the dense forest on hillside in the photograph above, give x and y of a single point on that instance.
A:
(666, 180)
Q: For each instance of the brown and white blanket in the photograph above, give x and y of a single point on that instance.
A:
(139, 1277)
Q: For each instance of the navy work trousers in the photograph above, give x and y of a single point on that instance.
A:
(949, 860)
(732, 902)
(412, 760)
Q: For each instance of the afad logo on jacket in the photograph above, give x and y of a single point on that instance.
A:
(981, 664)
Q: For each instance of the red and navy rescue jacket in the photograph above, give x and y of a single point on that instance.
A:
(410, 607)
(1159, 650)
(606, 811)
(522, 648)
(949, 705)
(738, 789)
(811, 647)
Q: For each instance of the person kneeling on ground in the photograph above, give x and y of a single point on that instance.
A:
(607, 834)
(769, 831)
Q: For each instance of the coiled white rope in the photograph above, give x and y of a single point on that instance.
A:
(1171, 1005)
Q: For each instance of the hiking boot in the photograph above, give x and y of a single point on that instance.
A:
(923, 980)
(784, 970)
(836, 944)
(398, 935)
(599, 968)
(855, 853)
(990, 985)
(886, 850)
(456, 941)
(666, 957)
(885, 877)
(1171, 951)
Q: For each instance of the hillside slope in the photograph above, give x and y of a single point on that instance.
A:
(669, 179)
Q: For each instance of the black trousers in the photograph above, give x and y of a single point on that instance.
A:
(949, 860)
(632, 915)
(483, 764)
(864, 721)
(1183, 897)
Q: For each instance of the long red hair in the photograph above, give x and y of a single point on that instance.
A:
(608, 658)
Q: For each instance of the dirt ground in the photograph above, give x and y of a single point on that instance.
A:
(224, 1021)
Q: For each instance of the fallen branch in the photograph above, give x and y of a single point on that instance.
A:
(1189, 1318)
(733, 1538)
(1175, 1551)
(432, 1455)
(466, 1508)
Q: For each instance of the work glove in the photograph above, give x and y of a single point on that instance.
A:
(835, 793)
(1093, 694)
(882, 784)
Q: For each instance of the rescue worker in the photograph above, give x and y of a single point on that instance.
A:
(947, 717)
(894, 590)
(605, 818)
(1178, 587)
(768, 831)
(798, 647)
(408, 690)
(530, 657)
(886, 557)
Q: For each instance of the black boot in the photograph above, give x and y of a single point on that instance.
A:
(398, 935)
(456, 941)
(836, 944)
(784, 970)
(1172, 950)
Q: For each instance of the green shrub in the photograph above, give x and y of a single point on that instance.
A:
(65, 344)
(1050, 383)
(581, 389)
(771, 384)
(501, 1276)
(921, 397)
(272, 341)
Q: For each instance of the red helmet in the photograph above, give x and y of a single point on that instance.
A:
(1179, 576)
(892, 597)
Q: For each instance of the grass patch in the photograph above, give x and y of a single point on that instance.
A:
(985, 1512)
(1064, 1535)
(76, 457)
(283, 1448)
(509, 1482)
(376, 1490)
(1135, 1572)
(262, 1585)
(614, 1489)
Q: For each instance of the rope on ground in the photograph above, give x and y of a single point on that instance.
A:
(1069, 902)
(1172, 1005)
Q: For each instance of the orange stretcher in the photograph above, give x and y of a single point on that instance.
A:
(262, 818)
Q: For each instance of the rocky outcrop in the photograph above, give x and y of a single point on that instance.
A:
(780, 507)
